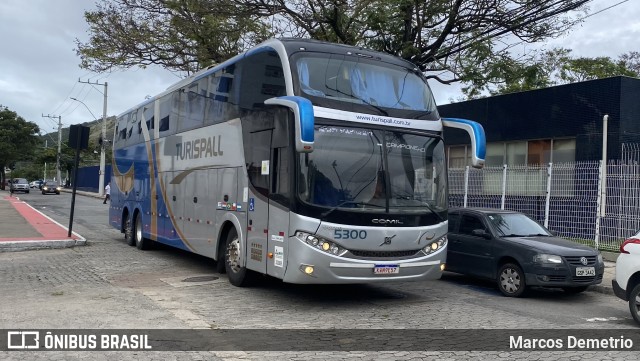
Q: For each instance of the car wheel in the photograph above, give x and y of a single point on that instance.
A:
(511, 280)
(141, 242)
(575, 290)
(27, 192)
(128, 232)
(42, 192)
(238, 276)
(634, 303)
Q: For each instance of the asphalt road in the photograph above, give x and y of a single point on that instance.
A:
(108, 284)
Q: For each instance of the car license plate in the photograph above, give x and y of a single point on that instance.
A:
(585, 271)
(386, 269)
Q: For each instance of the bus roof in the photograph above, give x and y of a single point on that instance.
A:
(288, 46)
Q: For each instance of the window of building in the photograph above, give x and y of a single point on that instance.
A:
(539, 152)
(531, 152)
(458, 156)
(495, 155)
(564, 151)
(516, 153)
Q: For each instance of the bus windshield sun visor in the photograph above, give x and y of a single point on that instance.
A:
(304, 119)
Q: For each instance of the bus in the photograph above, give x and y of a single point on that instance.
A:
(310, 162)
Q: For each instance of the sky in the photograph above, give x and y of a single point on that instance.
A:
(39, 68)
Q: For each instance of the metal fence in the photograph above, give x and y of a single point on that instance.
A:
(568, 198)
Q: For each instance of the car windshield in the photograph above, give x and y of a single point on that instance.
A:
(367, 170)
(21, 181)
(516, 225)
(51, 184)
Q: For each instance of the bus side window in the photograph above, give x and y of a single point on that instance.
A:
(212, 108)
(257, 149)
(147, 120)
(261, 77)
(165, 110)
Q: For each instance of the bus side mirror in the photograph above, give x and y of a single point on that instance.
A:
(304, 120)
(478, 140)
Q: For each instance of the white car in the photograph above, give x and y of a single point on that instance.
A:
(626, 285)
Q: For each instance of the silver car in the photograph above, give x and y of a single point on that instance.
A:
(20, 185)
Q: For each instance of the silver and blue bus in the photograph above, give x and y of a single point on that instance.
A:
(306, 161)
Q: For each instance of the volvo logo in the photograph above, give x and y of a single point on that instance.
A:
(386, 221)
(584, 260)
(387, 240)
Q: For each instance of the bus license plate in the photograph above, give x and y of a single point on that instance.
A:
(386, 269)
(585, 271)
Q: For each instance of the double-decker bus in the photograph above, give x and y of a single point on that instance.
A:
(306, 161)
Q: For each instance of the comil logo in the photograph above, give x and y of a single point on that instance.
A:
(21, 340)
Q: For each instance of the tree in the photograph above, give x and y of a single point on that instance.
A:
(438, 36)
(547, 69)
(18, 139)
(179, 35)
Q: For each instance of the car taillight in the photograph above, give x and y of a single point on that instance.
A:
(628, 241)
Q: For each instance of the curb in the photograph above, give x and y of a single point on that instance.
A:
(609, 256)
(17, 246)
(607, 290)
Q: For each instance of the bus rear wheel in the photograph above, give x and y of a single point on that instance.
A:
(141, 242)
(238, 275)
(128, 231)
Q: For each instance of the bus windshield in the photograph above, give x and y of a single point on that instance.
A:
(362, 81)
(376, 171)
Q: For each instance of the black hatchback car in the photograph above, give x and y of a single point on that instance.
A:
(517, 252)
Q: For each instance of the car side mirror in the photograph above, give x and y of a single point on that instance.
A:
(481, 233)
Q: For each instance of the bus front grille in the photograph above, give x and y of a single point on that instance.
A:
(384, 254)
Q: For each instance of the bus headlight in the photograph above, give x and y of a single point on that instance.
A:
(435, 246)
(321, 243)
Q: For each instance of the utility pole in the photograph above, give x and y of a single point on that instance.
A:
(44, 178)
(58, 175)
(103, 136)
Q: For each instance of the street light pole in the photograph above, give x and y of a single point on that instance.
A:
(104, 135)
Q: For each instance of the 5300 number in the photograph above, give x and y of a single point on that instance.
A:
(349, 234)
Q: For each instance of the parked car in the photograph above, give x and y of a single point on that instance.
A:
(517, 252)
(35, 184)
(19, 185)
(626, 284)
(51, 187)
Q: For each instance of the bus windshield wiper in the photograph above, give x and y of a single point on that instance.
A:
(323, 215)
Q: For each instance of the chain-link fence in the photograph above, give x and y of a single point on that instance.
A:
(567, 197)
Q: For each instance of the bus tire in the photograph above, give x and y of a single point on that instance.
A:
(238, 276)
(141, 242)
(128, 231)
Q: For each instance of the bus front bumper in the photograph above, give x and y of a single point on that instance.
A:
(330, 269)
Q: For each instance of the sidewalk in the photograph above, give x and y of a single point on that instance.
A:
(23, 227)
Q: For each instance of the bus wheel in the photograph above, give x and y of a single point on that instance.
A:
(141, 242)
(238, 275)
(128, 232)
